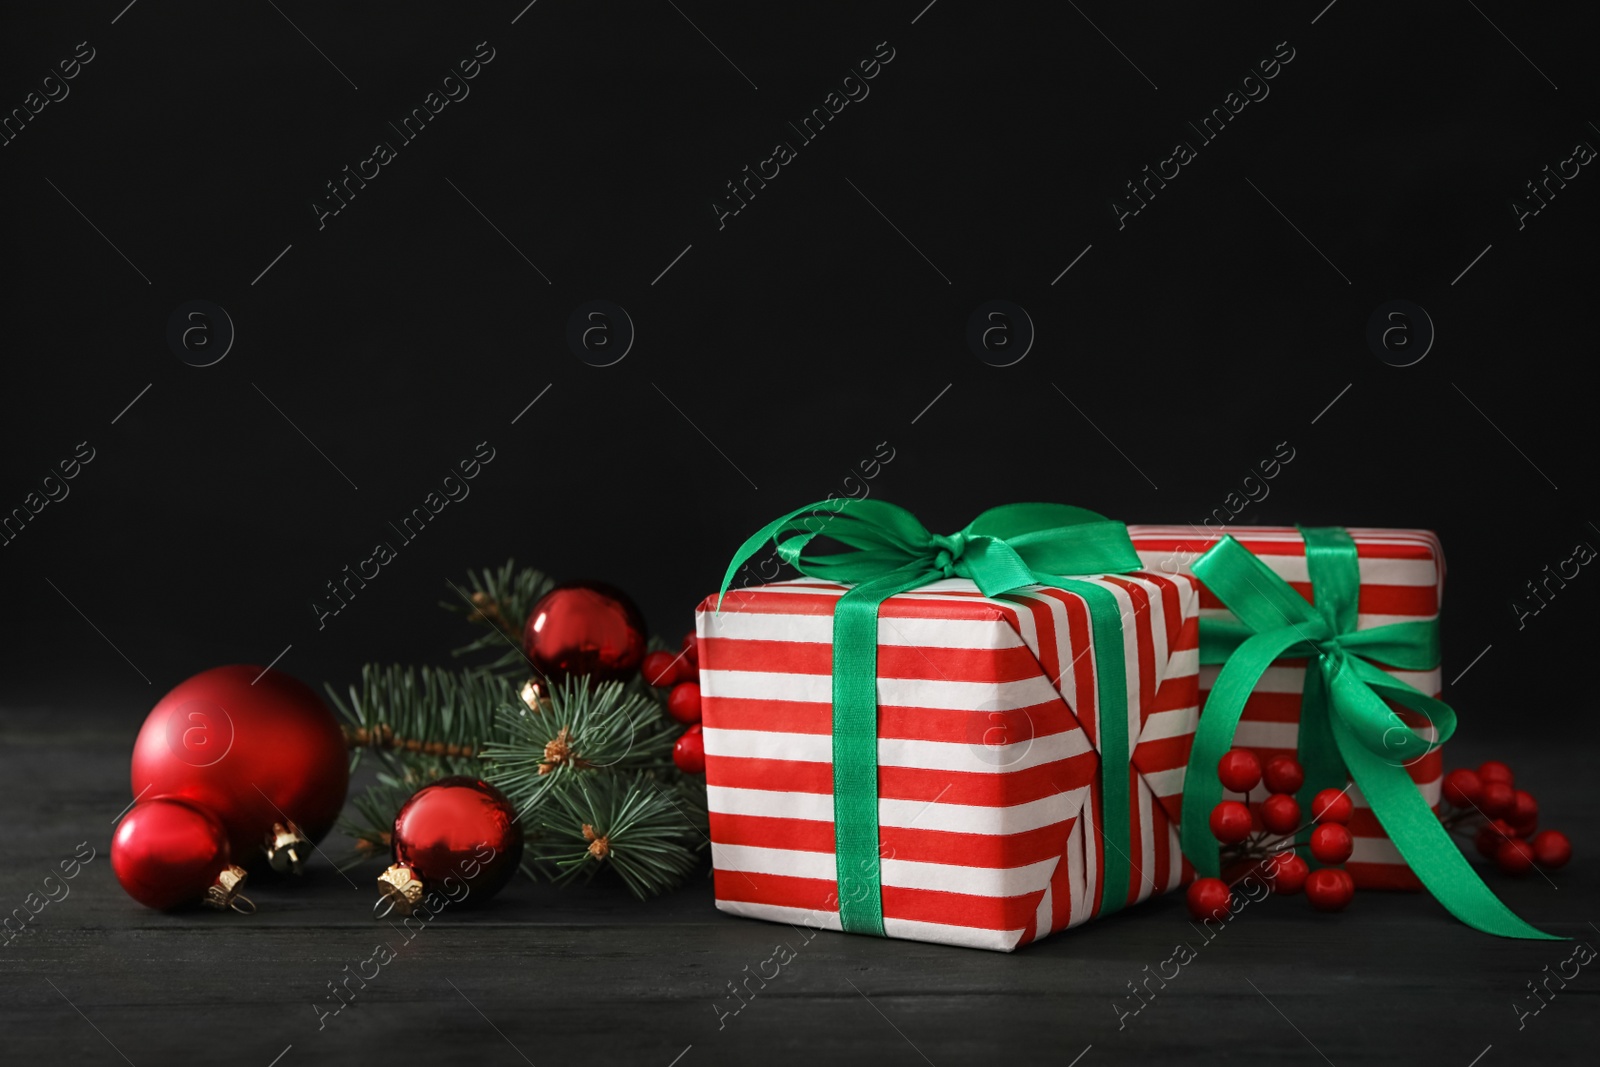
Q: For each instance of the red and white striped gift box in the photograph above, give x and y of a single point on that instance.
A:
(989, 778)
(1402, 579)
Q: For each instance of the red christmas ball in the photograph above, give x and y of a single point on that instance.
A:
(168, 853)
(661, 668)
(1498, 798)
(1208, 898)
(1230, 822)
(1289, 875)
(1283, 774)
(252, 747)
(1514, 856)
(1280, 813)
(1551, 849)
(1332, 805)
(691, 650)
(585, 630)
(1330, 889)
(1490, 834)
(690, 751)
(1463, 788)
(683, 703)
(1495, 771)
(1239, 770)
(456, 832)
(1331, 843)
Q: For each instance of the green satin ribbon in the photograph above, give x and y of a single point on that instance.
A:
(1004, 549)
(1347, 732)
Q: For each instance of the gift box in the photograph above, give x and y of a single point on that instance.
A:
(1401, 579)
(1030, 750)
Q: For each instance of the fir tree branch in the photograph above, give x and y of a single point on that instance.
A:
(499, 600)
(627, 823)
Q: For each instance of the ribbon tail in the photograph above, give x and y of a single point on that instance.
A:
(1426, 846)
(1318, 751)
(1214, 736)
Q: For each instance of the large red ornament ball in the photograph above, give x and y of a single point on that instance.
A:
(463, 829)
(167, 853)
(253, 748)
(585, 630)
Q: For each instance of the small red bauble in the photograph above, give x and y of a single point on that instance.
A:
(1208, 898)
(683, 703)
(168, 853)
(1330, 889)
(1280, 813)
(691, 650)
(252, 747)
(1495, 771)
(1283, 774)
(585, 630)
(1514, 856)
(1498, 798)
(458, 837)
(1289, 875)
(1332, 805)
(1489, 836)
(1551, 849)
(1230, 822)
(1331, 843)
(1524, 813)
(690, 751)
(660, 668)
(1239, 770)
(1463, 788)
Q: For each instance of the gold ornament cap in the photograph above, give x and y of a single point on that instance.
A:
(224, 893)
(532, 694)
(400, 886)
(286, 847)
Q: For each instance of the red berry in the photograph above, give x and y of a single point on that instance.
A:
(1208, 898)
(1489, 836)
(683, 703)
(1495, 771)
(690, 751)
(1551, 848)
(691, 650)
(1463, 788)
(1330, 889)
(1283, 774)
(1331, 843)
(1280, 813)
(1524, 814)
(1498, 798)
(1230, 822)
(1289, 876)
(1332, 805)
(660, 668)
(1239, 770)
(1514, 856)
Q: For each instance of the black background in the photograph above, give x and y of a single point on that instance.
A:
(796, 338)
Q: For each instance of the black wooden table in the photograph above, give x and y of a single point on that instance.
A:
(545, 976)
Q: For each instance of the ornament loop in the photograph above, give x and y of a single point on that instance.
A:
(243, 905)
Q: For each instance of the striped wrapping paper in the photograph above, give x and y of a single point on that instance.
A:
(1402, 579)
(989, 779)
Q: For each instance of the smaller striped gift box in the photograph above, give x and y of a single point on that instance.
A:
(992, 813)
(1402, 580)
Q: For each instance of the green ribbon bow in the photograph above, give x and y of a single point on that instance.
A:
(1003, 549)
(1347, 732)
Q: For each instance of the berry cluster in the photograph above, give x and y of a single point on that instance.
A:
(1504, 819)
(1267, 838)
(662, 669)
